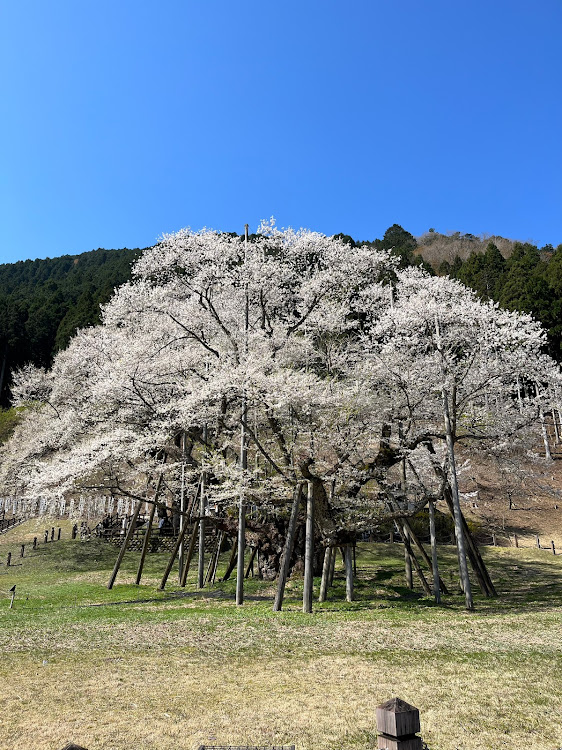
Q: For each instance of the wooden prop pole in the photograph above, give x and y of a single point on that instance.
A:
(308, 551)
(415, 563)
(173, 556)
(414, 537)
(325, 574)
(232, 562)
(288, 551)
(250, 566)
(435, 566)
(332, 567)
(126, 541)
(190, 551)
(148, 533)
(348, 574)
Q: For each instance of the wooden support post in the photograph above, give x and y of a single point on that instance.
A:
(408, 568)
(325, 574)
(553, 548)
(52, 534)
(288, 551)
(309, 551)
(516, 540)
(391, 536)
(233, 560)
(201, 547)
(212, 567)
(183, 506)
(46, 535)
(58, 534)
(34, 542)
(22, 553)
(217, 556)
(538, 542)
(202, 514)
(414, 538)
(240, 572)
(173, 556)
(250, 566)
(190, 552)
(13, 593)
(348, 574)
(417, 566)
(332, 567)
(126, 541)
(147, 534)
(9, 560)
(434, 564)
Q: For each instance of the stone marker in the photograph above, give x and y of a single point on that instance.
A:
(397, 724)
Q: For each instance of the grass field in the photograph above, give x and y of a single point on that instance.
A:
(136, 668)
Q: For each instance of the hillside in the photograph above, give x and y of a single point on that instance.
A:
(43, 302)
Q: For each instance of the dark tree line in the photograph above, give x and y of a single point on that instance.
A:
(529, 280)
(43, 302)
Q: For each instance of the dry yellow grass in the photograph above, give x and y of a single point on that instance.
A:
(174, 672)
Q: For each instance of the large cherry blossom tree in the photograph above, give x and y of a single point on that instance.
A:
(336, 367)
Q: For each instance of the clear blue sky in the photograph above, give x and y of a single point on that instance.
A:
(124, 119)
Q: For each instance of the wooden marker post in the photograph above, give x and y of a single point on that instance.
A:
(22, 552)
(397, 725)
(13, 592)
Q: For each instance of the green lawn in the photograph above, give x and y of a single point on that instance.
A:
(138, 668)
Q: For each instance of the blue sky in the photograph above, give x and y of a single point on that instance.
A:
(125, 119)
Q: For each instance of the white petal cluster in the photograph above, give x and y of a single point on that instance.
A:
(326, 344)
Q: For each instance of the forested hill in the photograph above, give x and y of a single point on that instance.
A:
(43, 302)
(517, 275)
